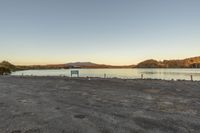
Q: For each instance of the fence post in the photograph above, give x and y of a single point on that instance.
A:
(191, 77)
(142, 76)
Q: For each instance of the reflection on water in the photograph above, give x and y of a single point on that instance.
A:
(120, 73)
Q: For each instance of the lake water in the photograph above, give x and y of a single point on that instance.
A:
(168, 74)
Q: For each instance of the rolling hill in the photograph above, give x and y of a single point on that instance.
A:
(93, 65)
(193, 62)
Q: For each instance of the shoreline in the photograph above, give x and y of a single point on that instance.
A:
(163, 74)
(96, 78)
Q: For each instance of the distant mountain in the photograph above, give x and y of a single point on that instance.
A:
(70, 65)
(193, 62)
(93, 65)
(81, 64)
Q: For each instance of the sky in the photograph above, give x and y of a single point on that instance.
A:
(116, 32)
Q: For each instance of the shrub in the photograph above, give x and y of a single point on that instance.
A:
(4, 71)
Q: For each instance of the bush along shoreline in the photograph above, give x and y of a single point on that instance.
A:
(4, 71)
(6, 68)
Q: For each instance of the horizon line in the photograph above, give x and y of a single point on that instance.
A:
(46, 64)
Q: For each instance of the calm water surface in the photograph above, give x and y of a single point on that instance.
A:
(167, 74)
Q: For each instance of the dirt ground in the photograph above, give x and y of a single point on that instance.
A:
(79, 105)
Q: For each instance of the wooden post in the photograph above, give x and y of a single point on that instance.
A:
(191, 78)
(142, 76)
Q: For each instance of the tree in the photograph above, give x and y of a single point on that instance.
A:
(4, 71)
(8, 65)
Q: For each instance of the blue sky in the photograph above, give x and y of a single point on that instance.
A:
(102, 31)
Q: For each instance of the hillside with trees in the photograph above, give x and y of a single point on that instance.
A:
(150, 64)
(185, 63)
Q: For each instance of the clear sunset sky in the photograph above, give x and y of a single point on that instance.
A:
(113, 32)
